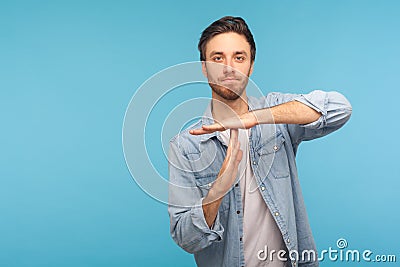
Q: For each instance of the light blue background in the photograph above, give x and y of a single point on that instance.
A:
(69, 68)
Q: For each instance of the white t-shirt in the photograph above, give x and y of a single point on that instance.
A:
(260, 230)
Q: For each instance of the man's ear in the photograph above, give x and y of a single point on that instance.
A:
(251, 68)
(204, 68)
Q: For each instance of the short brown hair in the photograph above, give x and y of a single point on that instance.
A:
(223, 25)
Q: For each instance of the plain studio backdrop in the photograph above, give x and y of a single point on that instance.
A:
(68, 70)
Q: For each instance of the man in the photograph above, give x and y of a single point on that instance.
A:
(235, 198)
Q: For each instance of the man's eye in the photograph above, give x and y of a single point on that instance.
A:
(217, 58)
(240, 58)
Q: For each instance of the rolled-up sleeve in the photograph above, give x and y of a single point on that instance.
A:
(188, 226)
(334, 108)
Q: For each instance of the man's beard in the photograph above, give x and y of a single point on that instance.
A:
(227, 93)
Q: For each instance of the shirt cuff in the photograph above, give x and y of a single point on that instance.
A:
(199, 221)
(317, 100)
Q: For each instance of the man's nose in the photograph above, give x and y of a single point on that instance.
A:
(229, 67)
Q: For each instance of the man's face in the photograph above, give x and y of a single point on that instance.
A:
(228, 64)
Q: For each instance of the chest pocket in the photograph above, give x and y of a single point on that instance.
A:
(204, 184)
(273, 158)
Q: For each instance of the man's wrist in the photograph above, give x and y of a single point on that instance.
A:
(214, 195)
(263, 116)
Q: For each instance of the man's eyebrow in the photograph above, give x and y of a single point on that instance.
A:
(241, 52)
(216, 53)
(221, 53)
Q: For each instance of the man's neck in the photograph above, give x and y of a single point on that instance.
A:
(222, 108)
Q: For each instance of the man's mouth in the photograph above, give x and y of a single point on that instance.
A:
(230, 79)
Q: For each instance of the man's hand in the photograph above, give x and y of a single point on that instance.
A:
(292, 112)
(244, 121)
(226, 178)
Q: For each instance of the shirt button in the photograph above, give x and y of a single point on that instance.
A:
(276, 147)
(288, 240)
(238, 212)
(276, 213)
(254, 163)
(210, 184)
(262, 188)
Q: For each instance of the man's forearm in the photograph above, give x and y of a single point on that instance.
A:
(210, 208)
(293, 112)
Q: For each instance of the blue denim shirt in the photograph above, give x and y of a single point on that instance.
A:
(195, 161)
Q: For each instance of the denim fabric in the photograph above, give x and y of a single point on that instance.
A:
(195, 161)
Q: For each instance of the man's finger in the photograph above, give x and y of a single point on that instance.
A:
(234, 133)
(214, 127)
(231, 152)
(206, 129)
(233, 141)
(199, 131)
